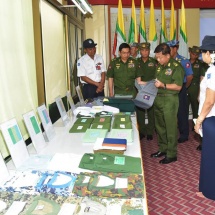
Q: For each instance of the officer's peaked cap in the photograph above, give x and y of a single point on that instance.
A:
(194, 49)
(208, 43)
(89, 43)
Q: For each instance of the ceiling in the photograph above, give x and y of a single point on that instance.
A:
(157, 3)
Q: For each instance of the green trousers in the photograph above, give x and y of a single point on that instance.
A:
(193, 93)
(146, 129)
(166, 109)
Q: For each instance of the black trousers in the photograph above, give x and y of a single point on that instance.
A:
(89, 91)
(183, 123)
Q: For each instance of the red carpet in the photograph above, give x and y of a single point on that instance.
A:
(171, 188)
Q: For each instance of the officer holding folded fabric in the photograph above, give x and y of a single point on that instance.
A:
(134, 50)
(91, 71)
(169, 80)
(148, 69)
(183, 123)
(122, 73)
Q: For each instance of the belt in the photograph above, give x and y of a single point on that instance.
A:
(165, 94)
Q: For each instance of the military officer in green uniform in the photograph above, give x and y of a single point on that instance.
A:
(148, 69)
(169, 81)
(122, 73)
(198, 73)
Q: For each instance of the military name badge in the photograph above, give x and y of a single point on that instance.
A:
(117, 65)
(130, 64)
(168, 72)
(196, 66)
(151, 64)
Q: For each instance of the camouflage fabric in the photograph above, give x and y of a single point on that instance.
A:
(9, 198)
(86, 185)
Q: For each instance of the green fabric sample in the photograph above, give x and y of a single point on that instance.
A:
(77, 128)
(106, 162)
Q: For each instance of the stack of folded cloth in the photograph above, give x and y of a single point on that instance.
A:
(122, 122)
(110, 145)
(102, 122)
(81, 125)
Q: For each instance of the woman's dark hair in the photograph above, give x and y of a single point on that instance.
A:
(164, 48)
(124, 45)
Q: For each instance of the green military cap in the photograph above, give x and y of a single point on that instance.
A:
(194, 49)
(133, 45)
(144, 45)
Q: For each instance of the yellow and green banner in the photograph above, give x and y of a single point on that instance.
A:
(163, 34)
(119, 36)
(132, 37)
(172, 23)
(142, 28)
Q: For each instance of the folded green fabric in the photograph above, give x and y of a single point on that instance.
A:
(84, 120)
(122, 117)
(102, 119)
(101, 126)
(79, 128)
(111, 163)
(121, 125)
(91, 135)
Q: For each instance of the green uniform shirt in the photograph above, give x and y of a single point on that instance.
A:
(198, 71)
(172, 73)
(124, 75)
(147, 69)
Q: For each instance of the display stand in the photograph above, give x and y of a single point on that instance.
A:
(62, 110)
(15, 142)
(46, 122)
(34, 131)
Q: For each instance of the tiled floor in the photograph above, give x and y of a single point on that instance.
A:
(171, 188)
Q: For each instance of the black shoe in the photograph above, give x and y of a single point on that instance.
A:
(149, 137)
(199, 147)
(158, 154)
(182, 140)
(167, 160)
(141, 136)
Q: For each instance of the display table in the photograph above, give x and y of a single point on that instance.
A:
(65, 142)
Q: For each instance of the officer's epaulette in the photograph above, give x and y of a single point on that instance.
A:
(113, 59)
(175, 64)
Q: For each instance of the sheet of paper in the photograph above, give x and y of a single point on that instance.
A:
(200, 130)
(46, 121)
(114, 209)
(4, 174)
(65, 162)
(121, 183)
(62, 110)
(34, 131)
(15, 208)
(67, 208)
(14, 141)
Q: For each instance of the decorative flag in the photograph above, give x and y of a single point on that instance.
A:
(132, 37)
(163, 37)
(183, 47)
(172, 23)
(153, 39)
(142, 29)
(119, 36)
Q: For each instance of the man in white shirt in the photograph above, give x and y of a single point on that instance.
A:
(91, 71)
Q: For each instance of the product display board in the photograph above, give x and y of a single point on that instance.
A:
(46, 122)
(62, 110)
(3, 170)
(34, 131)
(80, 95)
(70, 100)
(14, 141)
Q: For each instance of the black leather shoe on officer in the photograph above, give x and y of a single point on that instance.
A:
(167, 160)
(158, 154)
